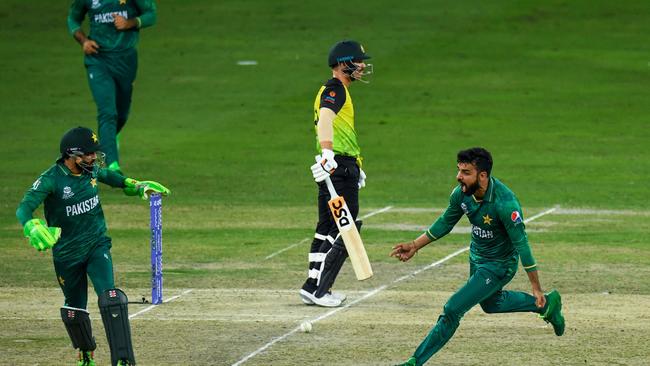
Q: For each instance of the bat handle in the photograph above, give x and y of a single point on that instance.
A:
(330, 187)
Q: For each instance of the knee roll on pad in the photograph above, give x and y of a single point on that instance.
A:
(77, 323)
(113, 304)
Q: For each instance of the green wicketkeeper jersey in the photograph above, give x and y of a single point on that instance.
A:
(498, 230)
(102, 30)
(71, 202)
(335, 96)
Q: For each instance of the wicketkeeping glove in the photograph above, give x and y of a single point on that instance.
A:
(144, 188)
(325, 165)
(40, 236)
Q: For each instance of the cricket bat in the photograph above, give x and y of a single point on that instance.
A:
(349, 233)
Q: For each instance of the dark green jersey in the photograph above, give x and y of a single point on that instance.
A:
(102, 29)
(498, 230)
(71, 202)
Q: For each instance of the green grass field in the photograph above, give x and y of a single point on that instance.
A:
(556, 90)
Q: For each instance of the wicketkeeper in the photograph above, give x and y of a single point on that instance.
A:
(75, 229)
(340, 159)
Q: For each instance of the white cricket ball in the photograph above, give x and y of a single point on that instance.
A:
(305, 327)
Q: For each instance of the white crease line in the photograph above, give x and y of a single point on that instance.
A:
(336, 310)
(285, 249)
(376, 212)
(370, 294)
(593, 211)
(164, 301)
(540, 214)
(370, 214)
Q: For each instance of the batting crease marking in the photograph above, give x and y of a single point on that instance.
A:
(371, 294)
(373, 213)
(150, 307)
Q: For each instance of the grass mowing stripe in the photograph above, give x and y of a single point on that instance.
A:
(370, 214)
(371, 294)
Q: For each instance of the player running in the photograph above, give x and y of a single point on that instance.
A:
(75, 229)
(111, 60)
(498, 241)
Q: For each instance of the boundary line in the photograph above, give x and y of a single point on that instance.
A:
(370, 214)
(370, 294)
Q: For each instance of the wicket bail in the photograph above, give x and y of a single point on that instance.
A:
(155, 205)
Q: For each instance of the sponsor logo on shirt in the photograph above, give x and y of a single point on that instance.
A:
(36, 184)
(515, 216)
(67, 193)
(82, 207)
(481, 233)
(108, 17)
(332, 93)
(330, 99)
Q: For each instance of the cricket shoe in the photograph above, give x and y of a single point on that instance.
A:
(335, 294)
(86, 358)
(553, 312)
(328, 300)
(410, 362)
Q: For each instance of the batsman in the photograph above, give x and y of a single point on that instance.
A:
(340, 160)
(75, 230)
(498, 243)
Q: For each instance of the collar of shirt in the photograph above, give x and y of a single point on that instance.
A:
(489, 194)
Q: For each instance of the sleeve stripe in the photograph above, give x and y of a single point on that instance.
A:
(431, 236)
(532, 268)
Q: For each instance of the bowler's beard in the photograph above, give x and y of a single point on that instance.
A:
(471, 189)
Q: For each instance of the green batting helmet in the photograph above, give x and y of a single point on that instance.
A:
(345, 51)
(79, 141)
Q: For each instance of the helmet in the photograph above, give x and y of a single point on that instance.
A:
(79, 141)
(346, 51)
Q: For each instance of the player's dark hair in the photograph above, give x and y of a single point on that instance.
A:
(477, 156)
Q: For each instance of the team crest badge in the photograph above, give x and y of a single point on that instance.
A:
(67, 193)
(515, 216)
(463, 207)
(95, 4)
(487, 219)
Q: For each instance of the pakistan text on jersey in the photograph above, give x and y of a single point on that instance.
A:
(483, 234)
(82, 207)
(108, 17)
